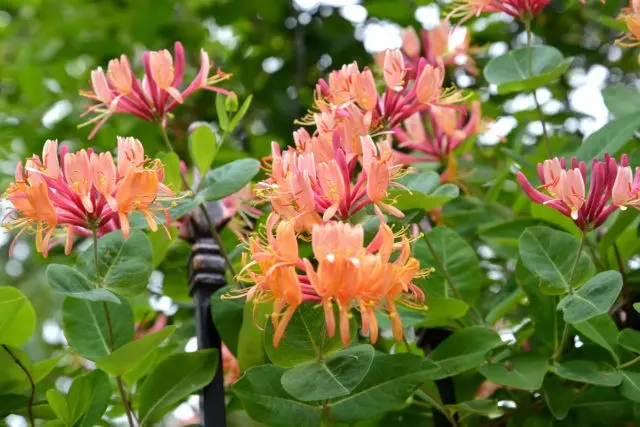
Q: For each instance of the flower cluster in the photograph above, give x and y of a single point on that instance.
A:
(611, 186)
(118, 91)
(346, 272)
(519, 9)
(631, 17)
(85, 191)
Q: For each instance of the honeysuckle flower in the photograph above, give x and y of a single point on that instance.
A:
(394, 70)
(519, 9)
(380, 168)
(230, 367)
(152, 97)
(626, 187)
(566, 189)
(433, 135)
(631, 17)
(88, 193)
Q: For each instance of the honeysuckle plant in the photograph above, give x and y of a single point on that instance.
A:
(383, 267)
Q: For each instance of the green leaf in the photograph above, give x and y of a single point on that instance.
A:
(17, 317)
(98, 400)
(160, 244)
(229, 178)
(240, 114)
(523, 371)
(391, 380)
(463, 350)
(251, 351)
(624, 219)
(86, 329)
(480, 406)
(621, 100)
(227, 316)
(630, 339)
(594, 298)
(603, 331)
(610, 138)
(553, 217)
(78, 399)
(460, 262)
(425, 192)
(551, 254)
(510, 72)
(603, 406)
(58, 403)
(586, 371)
(223, 118)
(132, 354)
(125, 264)
(335, 376)
(266, 401)
(558, 395)
(305, 338)
(203, 147)
(70, 282)
(12, 377)
(440, 311)
(40, 370)
(173, 379)
(630, 386)
(172, 173)
(10, 403)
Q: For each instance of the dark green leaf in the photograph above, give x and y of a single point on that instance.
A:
(10, 403)
(17, 317)
(203, 147)
(78, 399)
(266, 401)
(125, 264)
(511, 70)
(335, 376)
(227, 316)
(69, 281)
(585, 371)
(523, 371)
(98, 401)
(86, 328)
(227, 179)
(559, 396)
(464, 350)
(603, 331)
(251, 351)
(630, 339)
(594, 298)
(173, 379)
(630, 387)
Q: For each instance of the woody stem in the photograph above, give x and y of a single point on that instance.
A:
(203, 209)
(32, 385)
(527, 25)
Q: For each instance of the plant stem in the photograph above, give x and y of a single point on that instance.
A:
(565, 335)
(32, 384)
(616, 250)
(629, 363)
(203, 208)
(527, 25)
(107, 315)
(328, 416)
(444, 271)
(575, 262)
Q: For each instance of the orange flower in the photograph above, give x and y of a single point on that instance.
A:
(378, 164)
(161, 65)
(77, 172)
(130, 155)
(104, 176)
(394, 70)
(631, 17)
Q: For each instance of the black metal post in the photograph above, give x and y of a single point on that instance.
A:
(206, 275)
(429, 339)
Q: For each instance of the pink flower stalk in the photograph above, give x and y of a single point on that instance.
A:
(433, 135)
(437, 45)
(88, 192)
(566, 189)
(519, 9)
(118, 91)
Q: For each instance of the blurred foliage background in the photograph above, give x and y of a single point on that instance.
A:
(276, 50)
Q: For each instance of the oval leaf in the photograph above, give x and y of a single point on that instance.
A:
(173, 379)
(594, 298)
(203, 147)
(523, 371)
(69, 281)
(630, 339)
(586, 371)
(227, 179)
(17, 317)
(610, 138)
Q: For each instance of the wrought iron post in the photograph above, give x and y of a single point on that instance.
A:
(207, 275)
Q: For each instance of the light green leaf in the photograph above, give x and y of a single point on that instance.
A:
(460, 263)
(131, 354)
(173, 379)
(621, 100)
(17, 317)
(78, 399)
(553, 217)
(335, 376)
(172, 178)
(58, 403)
(630, 339)
(630, 386)
(586, 371)
(86, 329)
(558, 395)
(610, 138)
(603, 331)
(98, 400)
(12, 377)
(240, 114)
(463, 350)
(479, 406)
(523, 371)
(203, 147)
(266, 401)
(511, 70)
(229, 178)
(440, 312)
(251, 351)
(305, 338)
(551, 255)
(70, 282)
(425, 192)
(223, 118)
(594, 298)
(40, 370)
(391, 380)
(125, 264)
